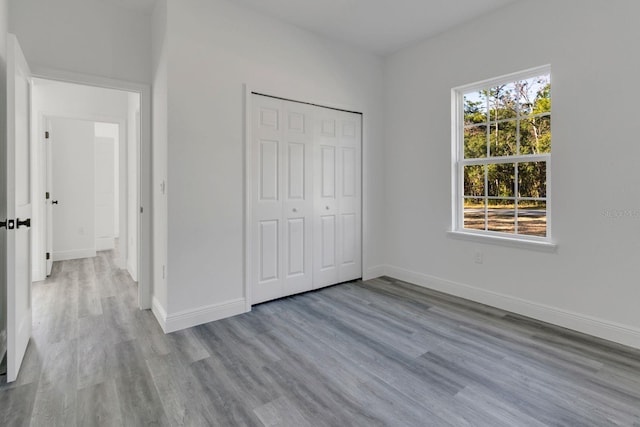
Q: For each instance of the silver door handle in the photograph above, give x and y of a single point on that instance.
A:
(327, 208)
(295, 210)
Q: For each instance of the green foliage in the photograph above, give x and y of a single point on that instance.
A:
(506, 120)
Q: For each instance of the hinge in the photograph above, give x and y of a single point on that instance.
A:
(46, 135)
(46, 195)
(48, 255)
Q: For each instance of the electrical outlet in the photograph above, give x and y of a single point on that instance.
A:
(478, 258)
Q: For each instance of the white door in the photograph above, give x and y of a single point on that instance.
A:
(305, 197)
(349, 193)
(282, 201)
(338, 200)
(73, 177)
(18, 235)
(326, 187)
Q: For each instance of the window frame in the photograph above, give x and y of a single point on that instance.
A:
(459, 162)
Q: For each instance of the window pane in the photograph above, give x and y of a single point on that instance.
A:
(534, 95)
(502, 137)
(475, 142)
(503, 102)
(535, 135)
(474, 214)
(474, 180)
(501, 216)
(532, 179)
(501, 180)
(475, 108)
(532, 218)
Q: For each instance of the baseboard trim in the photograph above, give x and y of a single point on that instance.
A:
(105, 243)
(197, 316)
(612, 331)
(74, 254)
(374, 272)
(160, 314)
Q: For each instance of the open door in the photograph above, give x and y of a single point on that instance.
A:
(18, 207)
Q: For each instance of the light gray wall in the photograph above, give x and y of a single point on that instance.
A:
(159, 153)
(591, 283)
(215, 47)
(3, 197)
(84, 36)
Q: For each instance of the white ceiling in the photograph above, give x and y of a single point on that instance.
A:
(379, 26)
(139, 5)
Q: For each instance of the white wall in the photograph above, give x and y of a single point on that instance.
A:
(3, 207)
(159, 156)
(56, 99)
(214, 47)
(591, 282)
(84, 36)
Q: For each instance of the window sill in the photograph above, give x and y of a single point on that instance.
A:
(504, 241)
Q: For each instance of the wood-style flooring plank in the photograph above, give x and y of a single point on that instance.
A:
(376, 353)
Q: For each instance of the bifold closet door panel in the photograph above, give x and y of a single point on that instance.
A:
(297, 216)
(338, 198)
(281, 194)
(326, 219)
(349, 191)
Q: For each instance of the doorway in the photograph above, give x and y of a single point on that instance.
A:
(87, 144)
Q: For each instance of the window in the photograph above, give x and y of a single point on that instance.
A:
(502, 156)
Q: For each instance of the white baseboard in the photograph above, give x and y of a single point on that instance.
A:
(198, 316)
(74, 254)
(105, 243)
(132, 271)
(160, 314)
(374, 272)
(612, 331)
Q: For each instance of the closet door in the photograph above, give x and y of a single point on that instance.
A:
(349, 191)
(326, 150)
(337, 194)
(282, 203)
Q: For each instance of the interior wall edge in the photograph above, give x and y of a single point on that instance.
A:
(373, 272)
(601, 328)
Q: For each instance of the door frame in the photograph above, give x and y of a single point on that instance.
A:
(249, 91)
(144, 166)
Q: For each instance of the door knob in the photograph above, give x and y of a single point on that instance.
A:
(295, 210)
(25, 222)
(54, 202)
(327, 208)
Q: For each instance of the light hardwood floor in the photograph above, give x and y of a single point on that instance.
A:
(375, 353)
